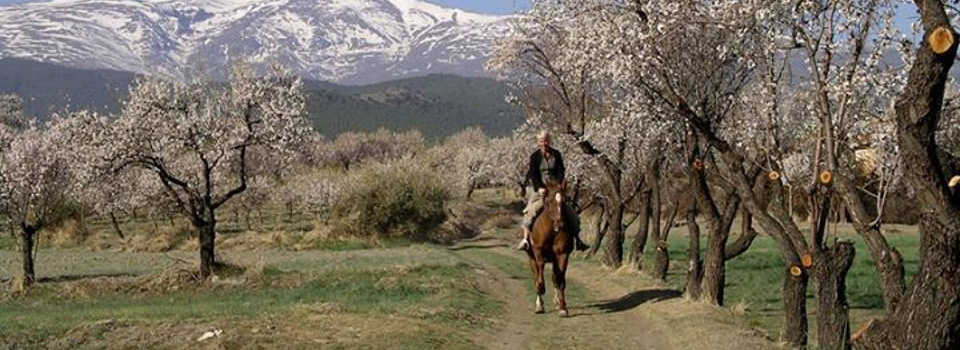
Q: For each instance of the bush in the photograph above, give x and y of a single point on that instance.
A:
(400, 199)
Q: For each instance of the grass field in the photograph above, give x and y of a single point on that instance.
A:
(293, 286)
(362, 291)
(754, 279)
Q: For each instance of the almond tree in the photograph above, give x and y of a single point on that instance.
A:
(353, 148)
(511, 156)
(928, 315)
(471, 158)
(197, 139)
(851, 92)
(35, 181)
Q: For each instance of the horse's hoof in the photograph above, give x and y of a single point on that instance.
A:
(563, 313)
(538, 311)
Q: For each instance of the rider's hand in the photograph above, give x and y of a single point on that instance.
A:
(542, 191)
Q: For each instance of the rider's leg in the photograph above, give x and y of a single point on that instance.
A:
(574, 222)
(529, 213)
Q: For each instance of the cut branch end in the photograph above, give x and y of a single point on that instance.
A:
(955, 181)
(941, 40)
(773, 176)
(826, 178)
(806, 260)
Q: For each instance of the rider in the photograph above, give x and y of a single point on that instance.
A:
(546, 164)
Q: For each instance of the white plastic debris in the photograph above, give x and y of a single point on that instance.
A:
(211, 334)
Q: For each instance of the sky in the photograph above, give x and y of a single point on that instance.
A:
(482, 6)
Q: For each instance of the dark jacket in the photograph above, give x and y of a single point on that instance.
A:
(533, 171)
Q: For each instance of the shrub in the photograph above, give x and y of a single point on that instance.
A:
(399, 199)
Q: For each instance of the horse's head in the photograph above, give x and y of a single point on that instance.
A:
(554, 203)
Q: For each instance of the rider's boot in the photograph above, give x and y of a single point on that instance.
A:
(525, 242)
(579, 245)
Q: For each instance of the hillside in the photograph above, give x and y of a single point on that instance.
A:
(437, 105)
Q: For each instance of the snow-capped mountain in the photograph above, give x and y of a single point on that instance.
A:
(346, 41)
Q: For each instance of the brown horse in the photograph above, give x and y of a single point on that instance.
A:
(551, 243)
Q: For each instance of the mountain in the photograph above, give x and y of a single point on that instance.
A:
(344, 41)
(438, 105)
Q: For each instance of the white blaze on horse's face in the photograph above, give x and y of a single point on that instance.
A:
(558, 219)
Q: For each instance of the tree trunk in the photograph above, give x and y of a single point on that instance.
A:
(615, 240)
(116, 225)
(661, 256)
(715, 272)
(743, 242)
(601, 230)
(207, 234)
(887, 260)
(470, 188)
(833, 312)
(928, 316)
(795, 308)
(28, 237)
(640, 240)
(694, 265)
(715, 269)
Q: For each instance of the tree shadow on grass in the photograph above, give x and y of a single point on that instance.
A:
(628, 302)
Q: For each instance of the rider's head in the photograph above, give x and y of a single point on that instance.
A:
(543, 140)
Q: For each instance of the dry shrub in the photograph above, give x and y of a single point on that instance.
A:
(69, 233)
(163, 239)
(317, 235)
(152, 243)
(740, 308)
(401, 199)
(94, 287)
(254, 241)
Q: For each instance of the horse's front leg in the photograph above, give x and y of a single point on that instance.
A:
(560, 282)
(537, 265)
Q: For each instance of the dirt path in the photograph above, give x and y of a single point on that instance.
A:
(609, 310)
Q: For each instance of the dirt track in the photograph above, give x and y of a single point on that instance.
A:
(609, 309)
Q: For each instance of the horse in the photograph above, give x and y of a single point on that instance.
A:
(553, 243)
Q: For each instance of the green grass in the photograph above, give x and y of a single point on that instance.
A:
(7, 242)
(440, 289)
(756, 277)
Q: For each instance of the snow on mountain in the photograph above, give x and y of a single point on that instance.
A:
(346, 41)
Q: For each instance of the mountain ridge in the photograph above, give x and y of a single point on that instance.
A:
(344, 41)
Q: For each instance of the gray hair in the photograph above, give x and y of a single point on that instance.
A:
(543, 134)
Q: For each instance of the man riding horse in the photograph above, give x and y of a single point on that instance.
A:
(546, 164)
